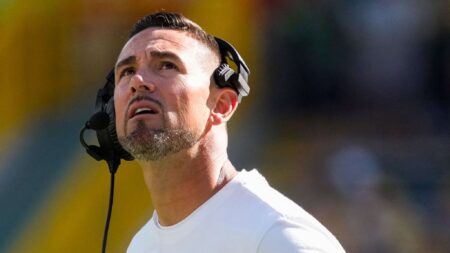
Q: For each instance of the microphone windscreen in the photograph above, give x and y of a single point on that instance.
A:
(98, 121)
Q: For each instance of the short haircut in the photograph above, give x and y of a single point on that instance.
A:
(176, 21)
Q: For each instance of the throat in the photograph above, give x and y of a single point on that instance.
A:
(178, 192)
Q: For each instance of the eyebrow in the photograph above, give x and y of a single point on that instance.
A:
(129, 60)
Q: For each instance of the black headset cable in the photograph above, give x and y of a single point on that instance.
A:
(112, 165)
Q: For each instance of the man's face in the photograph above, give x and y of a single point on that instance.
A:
(161, 94)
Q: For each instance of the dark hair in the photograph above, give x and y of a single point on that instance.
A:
(175, 21)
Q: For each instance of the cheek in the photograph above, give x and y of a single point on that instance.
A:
(177, 109)
(188, 101)
(194, 109)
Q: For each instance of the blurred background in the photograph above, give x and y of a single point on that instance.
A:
(349, 115)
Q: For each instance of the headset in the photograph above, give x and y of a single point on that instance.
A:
(103, 120)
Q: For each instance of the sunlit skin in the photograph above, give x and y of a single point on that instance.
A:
(175, 71)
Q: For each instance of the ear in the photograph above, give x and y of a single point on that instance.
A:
(225, 105)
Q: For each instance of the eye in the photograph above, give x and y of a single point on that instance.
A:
(165, 65)
(127, 72)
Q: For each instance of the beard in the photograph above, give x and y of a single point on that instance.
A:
(153, 144)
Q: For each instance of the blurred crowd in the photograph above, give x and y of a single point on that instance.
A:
(357, 107)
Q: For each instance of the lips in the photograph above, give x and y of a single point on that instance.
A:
(143, 106)
(144, 110)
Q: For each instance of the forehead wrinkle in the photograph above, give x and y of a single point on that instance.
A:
(163, 47)
(164, 54)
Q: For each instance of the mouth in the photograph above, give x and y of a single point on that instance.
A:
(143, 107)
(143, 110)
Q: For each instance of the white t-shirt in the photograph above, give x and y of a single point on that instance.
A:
(245, 216)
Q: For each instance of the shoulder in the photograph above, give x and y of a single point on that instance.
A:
(290, 236)
(257, 194)
(289, 228)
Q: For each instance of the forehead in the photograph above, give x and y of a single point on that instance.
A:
(158, 39)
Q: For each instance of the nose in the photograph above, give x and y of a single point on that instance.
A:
(139, 84)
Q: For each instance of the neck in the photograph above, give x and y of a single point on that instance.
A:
(182, 182)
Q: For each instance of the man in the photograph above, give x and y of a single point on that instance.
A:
(171, 117)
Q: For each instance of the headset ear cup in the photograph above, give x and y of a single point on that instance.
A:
(112, 134)
(223, 76)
